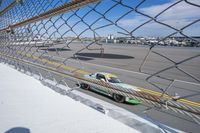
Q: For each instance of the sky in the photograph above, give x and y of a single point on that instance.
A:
(177, 16)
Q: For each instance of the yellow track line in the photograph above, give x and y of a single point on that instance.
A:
(57, 64)
(85, 72)
(180, 100)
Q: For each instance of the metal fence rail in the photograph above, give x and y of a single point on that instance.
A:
(30, 29)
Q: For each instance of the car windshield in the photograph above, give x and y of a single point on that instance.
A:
(114, 80)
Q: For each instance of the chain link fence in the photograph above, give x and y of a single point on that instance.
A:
(50, 38)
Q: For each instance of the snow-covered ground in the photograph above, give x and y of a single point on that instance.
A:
(28, 106)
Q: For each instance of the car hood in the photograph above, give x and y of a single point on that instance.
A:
(127, 86)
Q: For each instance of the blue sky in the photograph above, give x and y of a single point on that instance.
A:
(178, 16)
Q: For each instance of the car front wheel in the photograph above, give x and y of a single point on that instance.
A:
(118, 98)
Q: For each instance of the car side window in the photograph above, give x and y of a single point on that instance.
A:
(100, 76)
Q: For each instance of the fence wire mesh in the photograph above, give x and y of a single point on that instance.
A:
(59, 37)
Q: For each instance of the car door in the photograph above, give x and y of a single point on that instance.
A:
(101, 77)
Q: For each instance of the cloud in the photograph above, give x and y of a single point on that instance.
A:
(177, 16)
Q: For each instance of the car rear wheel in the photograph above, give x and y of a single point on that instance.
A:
(118, 98)
(85, 86)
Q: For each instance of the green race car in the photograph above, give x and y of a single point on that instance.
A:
(113, 80)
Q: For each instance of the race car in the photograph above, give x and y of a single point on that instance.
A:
(113, 80)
